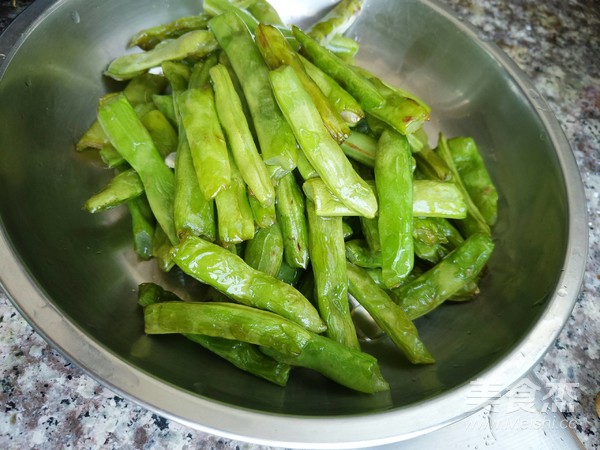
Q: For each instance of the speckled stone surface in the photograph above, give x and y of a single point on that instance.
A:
(46, 402)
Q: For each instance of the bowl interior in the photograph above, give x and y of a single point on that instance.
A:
(85, 264)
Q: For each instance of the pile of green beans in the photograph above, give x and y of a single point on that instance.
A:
(258, 159)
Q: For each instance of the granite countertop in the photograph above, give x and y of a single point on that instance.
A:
(48, 402)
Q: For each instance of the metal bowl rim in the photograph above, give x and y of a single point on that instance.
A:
(290, 430)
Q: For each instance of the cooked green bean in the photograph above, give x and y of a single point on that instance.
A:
(164, 103)
(388, 315)
(290, 208)
(245, 356)
(94, 137)
(235, 221)
(351, 368)
(264, 251)
(111, 157)
(196, 44)
(228, 273)
(238, 322)
(142, 224)
(264, 12)
(206, 140)
(360, 147)
(264, 216)
(475, 176)
(277, 52)
(336, 21)
(276, 140)
(438, 199)
(240, 140)
(123, 187)
(393, 178)
(161, 249)
(318, 146)
(148, 38)
(192, 212)
(328, 261)
(474, 222)
(460, 267)
(162, 132)
(358, 86)
(131, 139)
(358, 252)
(200, 75)
(141, 88)
(346, 105)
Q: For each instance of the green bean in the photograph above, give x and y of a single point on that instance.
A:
(328, 260)
(206, 140)
(238, 322)
(162, 132)
(347, 230)
(264, 216)
(475, 177)
(277, 52)
(343, 47)
(235, 222)
(360, 147)
(200, 75)
(393, 178)
(178, 74)
(318, 146)
(245, 356)
(326, 204)
(123, 187)
(466, 293)
(141, 88)
(164, 103)
(358, 252)
(192, 212)
(395, 96)
(199, 259)
(461, 266)
(351, 368)
(94, 137)
(418, 140)
(336, 21)
(224, 60)
(359, 87)
(218, 7)
(148, 38)
(246, 156)
(438, 199)
(128, 135)
(288, 274)
(142, 224)
(111, 157)
(161, 249)
(474, 222)
(305, 168)
(431, 238)
(196, 44)
(431, 165)
(430, 199)
(370, 231)
(290, 208)
(276, 140)
(265, 251)
(265, 13)
(388, 315)
(346, 105)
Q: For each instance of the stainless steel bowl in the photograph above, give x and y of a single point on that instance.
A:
(74, 275)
